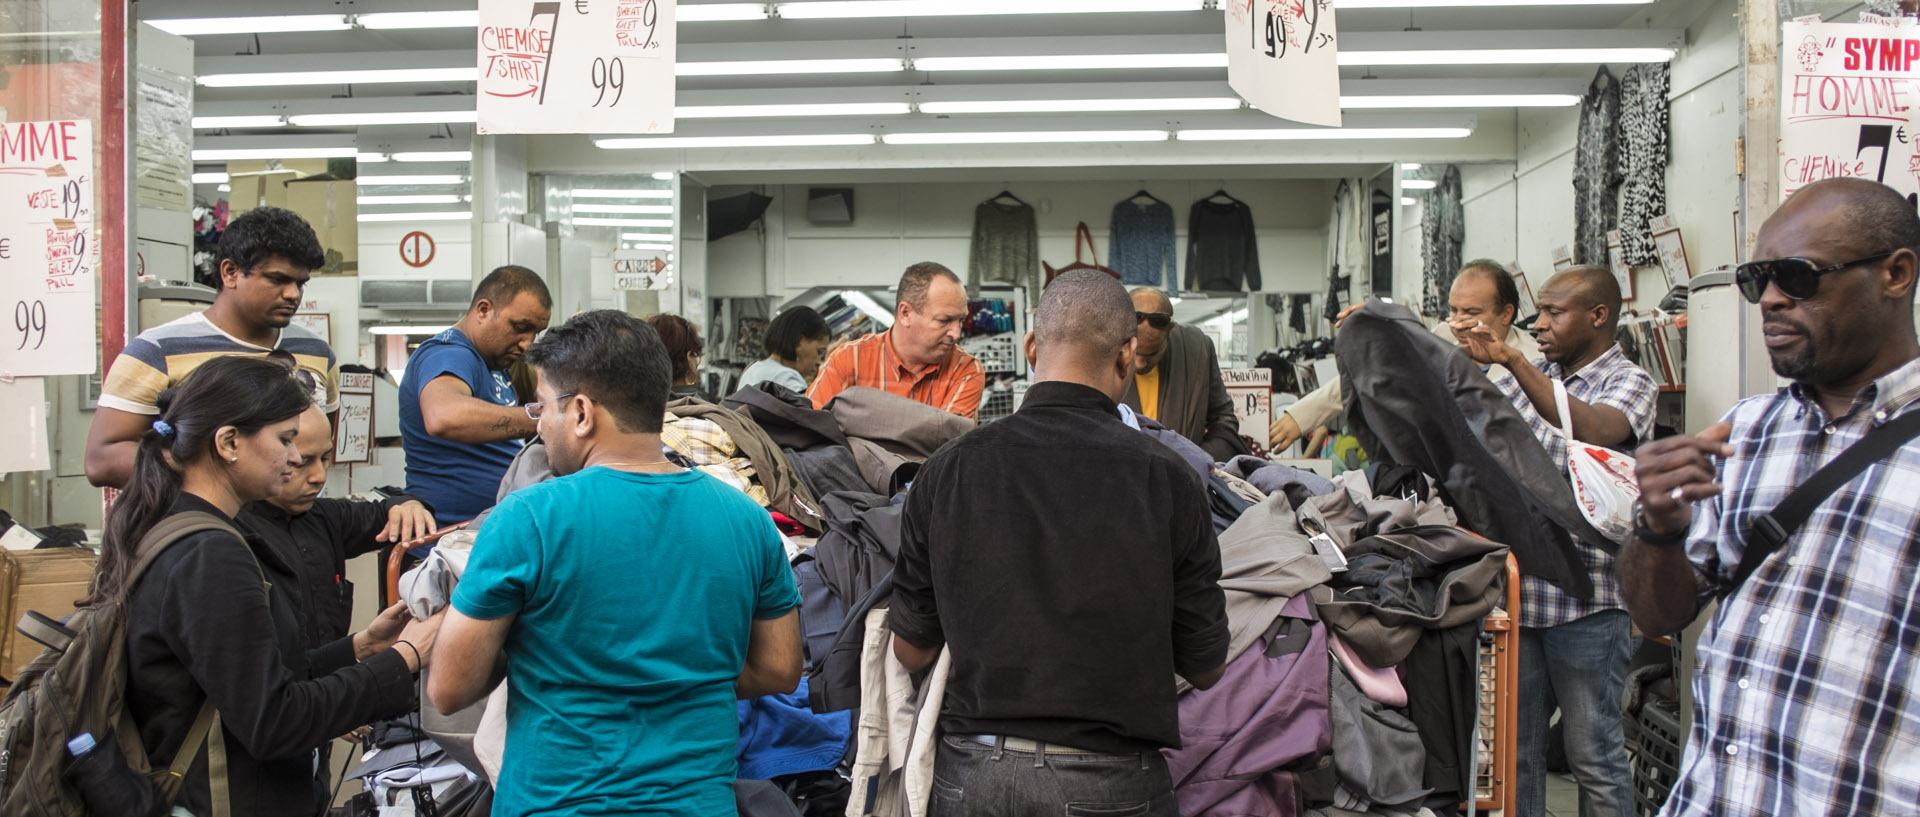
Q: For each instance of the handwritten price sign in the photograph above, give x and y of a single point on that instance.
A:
(48, 257)
(1849, 105)
(1280, 58)
(576, 66)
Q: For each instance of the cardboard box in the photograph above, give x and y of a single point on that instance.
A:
(261, 183)
(332, 207)
(47, 581)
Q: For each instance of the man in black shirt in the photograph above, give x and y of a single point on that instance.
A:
(1070, 565)
(317, 537)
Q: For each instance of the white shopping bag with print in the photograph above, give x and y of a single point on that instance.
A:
(1603, 481)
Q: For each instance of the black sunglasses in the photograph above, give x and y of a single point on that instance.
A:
(1797, 278)
(1157, 320)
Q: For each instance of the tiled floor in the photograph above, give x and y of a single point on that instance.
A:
(1563, 796)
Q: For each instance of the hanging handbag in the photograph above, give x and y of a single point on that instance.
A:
(1080, 233)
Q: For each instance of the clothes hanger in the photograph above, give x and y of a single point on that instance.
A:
(1007, 194)
(1222, 194)
(1143, 194)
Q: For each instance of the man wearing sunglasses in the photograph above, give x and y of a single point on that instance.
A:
(1807, 681)
(1577, 650)
(1177, 379)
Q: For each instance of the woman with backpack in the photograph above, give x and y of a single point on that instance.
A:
(206, 620)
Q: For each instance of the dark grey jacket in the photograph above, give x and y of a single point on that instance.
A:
(1193, 398)
(1414, 399)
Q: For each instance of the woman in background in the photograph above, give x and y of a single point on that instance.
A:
(794, 341)
(685, 349)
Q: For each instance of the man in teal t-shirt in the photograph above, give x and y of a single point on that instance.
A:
(635, 600)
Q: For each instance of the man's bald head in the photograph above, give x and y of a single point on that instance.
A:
(1148, 299)
(1865, 217)
(1588, 285)
(1083, 333)
(1579, 312)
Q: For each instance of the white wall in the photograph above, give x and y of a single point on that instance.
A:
(899, 224)
(1524, 211)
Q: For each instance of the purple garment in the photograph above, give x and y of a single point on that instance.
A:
(1265, 714)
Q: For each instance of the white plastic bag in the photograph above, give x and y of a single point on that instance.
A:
(1603, 481)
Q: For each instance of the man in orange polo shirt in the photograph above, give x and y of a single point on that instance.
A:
(920, 357)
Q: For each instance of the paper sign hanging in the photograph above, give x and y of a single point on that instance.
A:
(1281, 58)
(23, 412)
(636, 270)
(1252, 394)
(1847, 93)
(578, 66)
(48, 249)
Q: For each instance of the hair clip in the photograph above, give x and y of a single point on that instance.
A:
(162, 428)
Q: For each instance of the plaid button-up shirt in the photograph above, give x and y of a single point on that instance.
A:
(1610, 380)
(1808, 684)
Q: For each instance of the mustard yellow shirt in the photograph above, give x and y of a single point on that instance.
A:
(1149, 387)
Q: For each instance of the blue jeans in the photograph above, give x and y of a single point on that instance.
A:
(972, 778)
(1581, 667)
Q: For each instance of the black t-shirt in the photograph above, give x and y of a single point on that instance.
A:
(1069, 562)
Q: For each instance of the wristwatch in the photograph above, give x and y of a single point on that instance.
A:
(1644, 533)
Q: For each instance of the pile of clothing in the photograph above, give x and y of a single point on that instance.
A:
(1351, 680)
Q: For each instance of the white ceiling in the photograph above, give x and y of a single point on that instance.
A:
(1150, 32)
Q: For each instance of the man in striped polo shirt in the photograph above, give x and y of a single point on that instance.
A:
(920, 357)
(266, 256)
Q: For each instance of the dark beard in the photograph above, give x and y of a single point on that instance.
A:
(1797, 365)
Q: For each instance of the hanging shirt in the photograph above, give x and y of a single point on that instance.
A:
(1149, 384)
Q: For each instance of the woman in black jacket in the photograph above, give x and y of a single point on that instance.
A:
(203, 627)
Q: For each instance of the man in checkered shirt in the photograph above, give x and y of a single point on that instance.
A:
(1806, 684)
(1574, 652)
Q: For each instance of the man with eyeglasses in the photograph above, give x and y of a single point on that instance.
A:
(1574, 651)
(1808, 677)
(266, 256)
(460, 420)
(1177, 381)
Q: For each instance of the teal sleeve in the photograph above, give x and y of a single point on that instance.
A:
(504, 571)
(778, 593)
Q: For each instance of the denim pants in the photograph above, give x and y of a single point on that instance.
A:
(1581, 667)
(972, 779)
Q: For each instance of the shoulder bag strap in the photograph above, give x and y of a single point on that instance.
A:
(1771, 531)
(1566, 417)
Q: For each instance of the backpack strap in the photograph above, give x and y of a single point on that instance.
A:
(1771, 531)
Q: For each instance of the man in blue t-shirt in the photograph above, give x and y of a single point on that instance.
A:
(460, 423)
(635, 600)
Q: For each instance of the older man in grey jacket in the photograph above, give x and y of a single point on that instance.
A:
(1177, 379)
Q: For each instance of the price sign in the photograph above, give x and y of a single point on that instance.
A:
(1252, 393)
(1847, 109)
(48, 257)
(354, 443)
(637, 270)
(577, 66)
(1280, 58)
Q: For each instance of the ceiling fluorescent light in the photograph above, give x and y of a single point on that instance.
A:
(435, 198)
(629, 209)
(865, 303)
(225, 188)
(844, 9)
(418, 19)
(1345, 5)
(1222, 103)
(826, 109)
(664, 176)
(211, 122)
(373, 181)
(406, 330)
(241, 155)
(735, 68)
(718, 12)
(210, 178)
(278, 24)
(589, 221)
(1418, 184)
(1409, 165)
(1459, 101)
(370, 158)
(433, 156)
(1407, 202)
(1023, 137)
(646, 237)
(350, 77)
(347, 120)
(455, 215)
(1071, 62)
(777, 140)
(1507, 56)
(622, 194)
(1309, 134)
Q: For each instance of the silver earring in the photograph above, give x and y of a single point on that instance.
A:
(233, 460)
